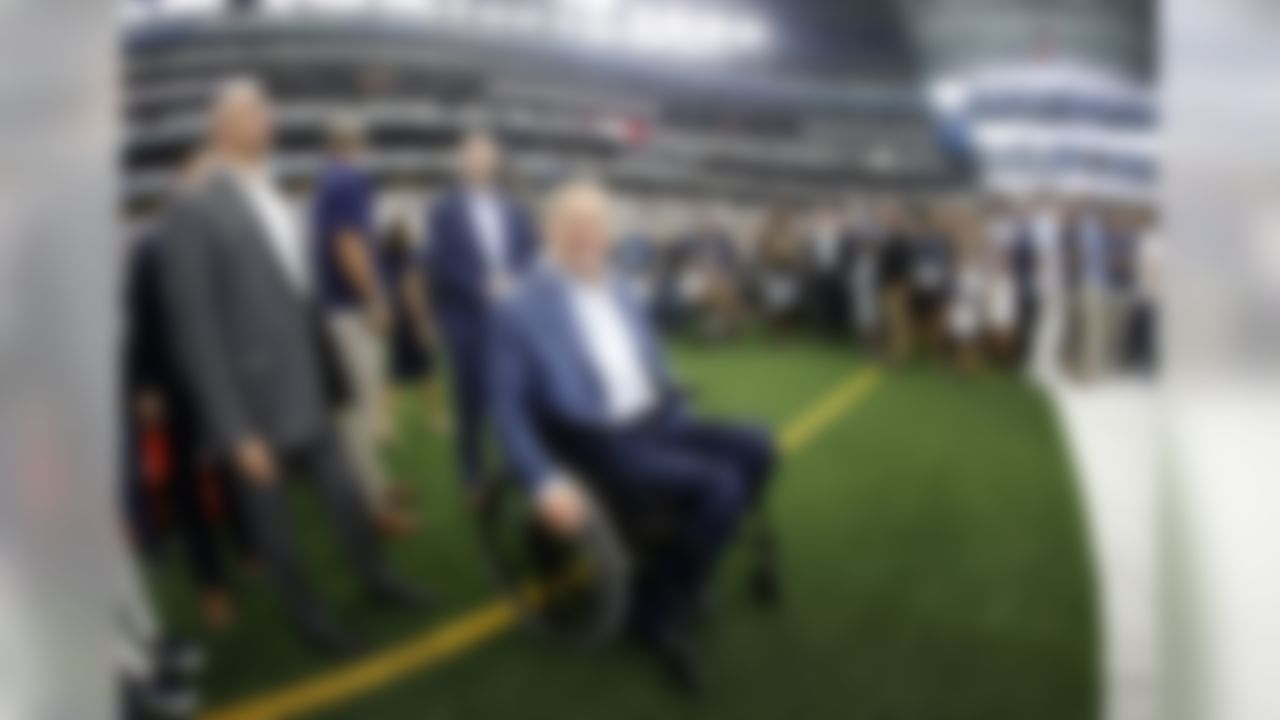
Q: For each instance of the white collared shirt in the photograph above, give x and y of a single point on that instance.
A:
(279, 225)
(487, 222)
(1046, 234)
(613, 350)
(825, 246)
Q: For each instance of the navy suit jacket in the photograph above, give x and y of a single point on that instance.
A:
(541, 376)
(456, 266)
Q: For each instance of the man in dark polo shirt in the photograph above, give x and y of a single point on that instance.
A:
(351, 289)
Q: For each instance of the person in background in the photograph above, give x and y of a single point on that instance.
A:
(160, 670)
(161, 411)
(1144, 330)
(1124, 228)
(480, 243)
(711, 277)
(413, 338)
(1087, 257)
(351, 288)
(931, 276)
(827, 255)
(670, 306)
(780, 269)
(966, 301)
(895, 282)
(1047, 309)
(866, 232)
(1000, 301)
(582, 393)
(637, 260)
(250, 347)
(1024, 269)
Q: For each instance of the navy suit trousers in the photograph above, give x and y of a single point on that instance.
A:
(715, 472)
(466, 342)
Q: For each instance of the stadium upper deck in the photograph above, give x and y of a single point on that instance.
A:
(651, 127)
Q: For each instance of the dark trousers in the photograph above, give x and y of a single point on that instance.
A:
(829, 302)
(186, 496)
(713, 472)
(195, 525)
(467, 362)
(133, 488)
(1027, 319)
(324, 464)
(1142, 338)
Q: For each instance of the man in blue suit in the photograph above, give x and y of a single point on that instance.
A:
(479, 244)
(580, 390)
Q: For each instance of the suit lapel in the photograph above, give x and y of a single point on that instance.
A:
(249, 232)
(468, 234)
(511, 234)
(568, 334)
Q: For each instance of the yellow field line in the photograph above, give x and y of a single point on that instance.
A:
(800, 431)
(487, 622)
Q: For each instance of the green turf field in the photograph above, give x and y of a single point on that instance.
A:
(934, 550)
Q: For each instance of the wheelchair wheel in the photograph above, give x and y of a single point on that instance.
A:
(576, 592)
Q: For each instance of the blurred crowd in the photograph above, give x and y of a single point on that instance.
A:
(1062, 287)
(265, 343)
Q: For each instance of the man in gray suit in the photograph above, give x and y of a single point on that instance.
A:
(249, 346)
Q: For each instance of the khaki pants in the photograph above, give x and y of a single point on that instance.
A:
(897, 312)
(362, 423)
(1093, 331)
(1120, 313)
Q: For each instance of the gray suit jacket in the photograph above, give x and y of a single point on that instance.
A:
(245, 339)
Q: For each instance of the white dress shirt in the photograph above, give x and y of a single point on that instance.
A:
(490, 228)
(1045, 233)
(613, 350)
(825, 246)
(279, 225)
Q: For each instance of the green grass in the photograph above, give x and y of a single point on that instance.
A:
(935, 559)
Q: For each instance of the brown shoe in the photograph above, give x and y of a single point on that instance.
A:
(402, 494)
(396, 523)
(217, 609)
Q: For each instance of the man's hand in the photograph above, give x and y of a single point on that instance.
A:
(149, 406)
(255, 461)
(562, 507)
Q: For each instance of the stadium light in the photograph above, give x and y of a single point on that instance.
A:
(656, 28)
(595, 7)
(948, 97)
(414, 8)
(455, 12)
(133, 12)
(508, 18)
(643, 30)
(598, 30)
(749, 34)
(339, 6)
(191, 7)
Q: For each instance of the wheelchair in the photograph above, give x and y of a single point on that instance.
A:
(578, 592)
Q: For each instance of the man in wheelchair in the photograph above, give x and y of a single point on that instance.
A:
(580, 390)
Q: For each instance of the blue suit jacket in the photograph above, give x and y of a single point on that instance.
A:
(455, 266)
(540, 374)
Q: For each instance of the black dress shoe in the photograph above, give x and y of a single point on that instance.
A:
(392, 592)
(165, 697)
(180, 657)
(765, 586)
(697, 613)
(326, 636)
(679, 660)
